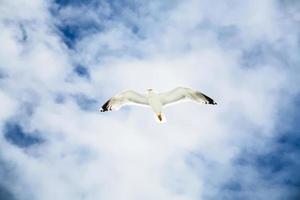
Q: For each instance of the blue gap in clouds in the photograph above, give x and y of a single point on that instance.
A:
(69, 34)
(72, 32)
(73, 2)
(254, 55)
(2, 74)
(83, 101)
(86, 103)
(82, 71)
(119, 13)
(5, 194)
(254, 175)
(232, 186)
(116, 5)
(262, 52)
(15, 134)
(7, 179)
(60, 98)
(280, 165)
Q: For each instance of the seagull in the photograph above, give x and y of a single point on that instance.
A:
(156, 101)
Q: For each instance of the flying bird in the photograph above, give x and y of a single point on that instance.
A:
(156, 101)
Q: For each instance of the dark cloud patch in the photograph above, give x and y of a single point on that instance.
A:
(289, 4)
(256, 174)
(262, 52)
(28, 108)
(59, 98)
(73, 2)
(269, 163)
(75, 25)
(82, 71)
(91, 17)
(23, 33)
(29, 101)
(85, 102)
(16, 135)
(2, 74)
(254, 55)
(71, 33)
(232, 186)
(278, 165)
(9, 177)
(5, 194)
(227, 35)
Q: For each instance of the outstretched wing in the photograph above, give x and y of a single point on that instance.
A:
(180, 93)
(125, 98)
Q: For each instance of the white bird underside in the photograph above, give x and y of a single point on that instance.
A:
(156, 100)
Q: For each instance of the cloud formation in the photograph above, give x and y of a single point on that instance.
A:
(60, 60)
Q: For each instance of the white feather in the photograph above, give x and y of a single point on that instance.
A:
(128, 97)
(180, 94)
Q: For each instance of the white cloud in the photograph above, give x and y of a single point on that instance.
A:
(125, 154)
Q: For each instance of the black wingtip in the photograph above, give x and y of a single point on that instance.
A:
(105, 107)
(209, 100)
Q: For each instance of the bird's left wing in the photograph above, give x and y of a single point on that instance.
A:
(125, 98)
(181, 93)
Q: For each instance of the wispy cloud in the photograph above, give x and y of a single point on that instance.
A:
(60, 60)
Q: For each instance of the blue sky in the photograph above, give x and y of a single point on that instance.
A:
(61, 60)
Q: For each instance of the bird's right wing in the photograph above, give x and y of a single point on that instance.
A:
(125, 98)
(180, 93)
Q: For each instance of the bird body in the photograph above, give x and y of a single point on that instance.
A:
(156, 101)
(156, 104)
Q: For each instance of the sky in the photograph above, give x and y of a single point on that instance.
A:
(60, 60)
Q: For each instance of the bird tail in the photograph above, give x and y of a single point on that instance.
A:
(160, 118)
